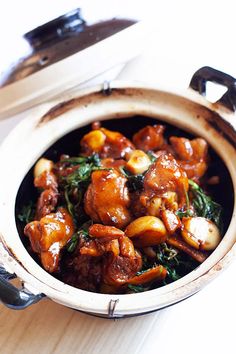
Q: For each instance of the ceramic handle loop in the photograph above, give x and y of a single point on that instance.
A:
(13, 297)
(207, 73)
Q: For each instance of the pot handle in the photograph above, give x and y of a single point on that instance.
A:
(206, 73)
(13, 297)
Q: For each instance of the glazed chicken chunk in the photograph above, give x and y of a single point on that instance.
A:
(164, 181)
(191, 155)
(47, 201)
(107, 199)
(49, 235)
(106, 143)
(149, 138)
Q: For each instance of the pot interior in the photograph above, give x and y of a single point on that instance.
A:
(69, 144)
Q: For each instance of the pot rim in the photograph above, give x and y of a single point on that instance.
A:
(38, 280)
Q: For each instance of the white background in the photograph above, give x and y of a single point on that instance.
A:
(188, 35)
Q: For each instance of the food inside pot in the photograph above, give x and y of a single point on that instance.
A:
(124, 214)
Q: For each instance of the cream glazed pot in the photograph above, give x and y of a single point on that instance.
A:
(29, 140)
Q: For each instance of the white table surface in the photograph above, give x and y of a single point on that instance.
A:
(188, 35)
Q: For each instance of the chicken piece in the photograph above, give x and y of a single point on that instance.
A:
(165, 176)
(48, 198)
(118, 246)
(188, 150)
(182, 148)
(106, 143)
(113, 246)
(104, 239)
(120, 261)
(126, 247)
(149, 138)
(105, 232)
(191, 155)
(46, 180)
(92, 248)
(118, 270)
(83, 271)
(97, 248)
(107, 199)
(49, 235)
(116, 256)
(46, 203)
(200, 149)
(194, 169)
